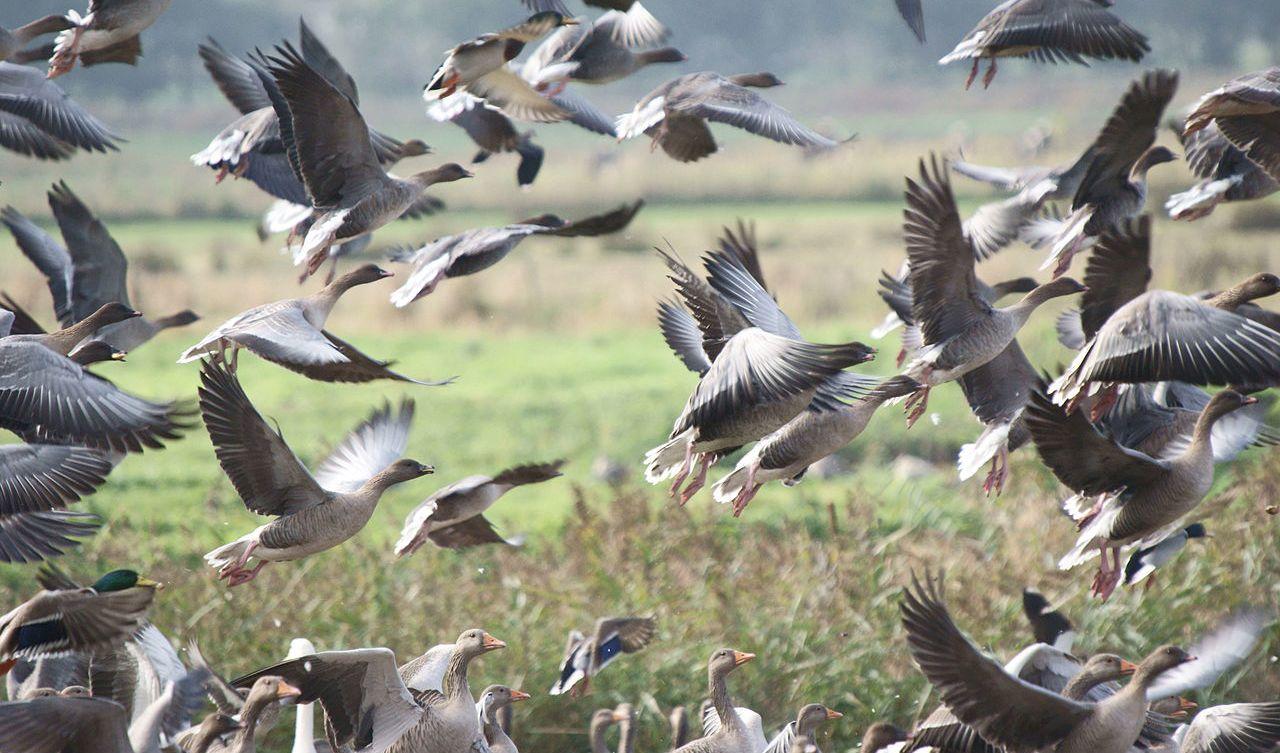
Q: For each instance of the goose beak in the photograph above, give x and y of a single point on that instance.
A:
(385, 273)
(1127, 668)
(618, 716)
(489, 643)
(1186, 706)
(833, 714)
(519, 695)
(425, 469)
(284, 690)
(570, 21)
(1250, 400)
(741, 657)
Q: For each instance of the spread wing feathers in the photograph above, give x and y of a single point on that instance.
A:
(1162, 335)
(681, 333)
(941, 275)
(327, 137)
(912, 11)
(99, 268)
(636, 27)
(625, 634)
(1118, 271)
(265, 472)
(366, 704)
(729, 277)
(529, 473)
(35, 536)
(1216, 653)
(1129, 132)
(355, 367)
(227, 699)
(55, 622)
(998, 390)
(717, 318)
(1002, 708)
(599, 224)
(731, 104)
(1067, 30)
(1258, 136)
(26, 94)
(506, 90)
(93, 724)
(377, 442)
(324, 63)
(235, 78)
(1234, 728)
(49, 256)
(1080, 456)
(43, 477)
(474, 531)
(45, 394)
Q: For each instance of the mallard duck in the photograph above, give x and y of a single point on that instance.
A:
(732, 735)
(13, 41)
(109, 32)
(1048, 31)
(1048, 625)
(90, 272)
(251, 147)
(476, 250)
(1114, 186)
(37, 482)
(600, 52)
(47, 397)
(961, 331)
(493, 700)
(453, 517)
(1136, 499)
(314, 512)
(1012, 713)
(1226, 174)
(291, 333)
(584, 656)
(76, 619)
(353, 196)
(675, 115)
(479, 67)
(1247, 111)
(38, 119)
(1143, 562)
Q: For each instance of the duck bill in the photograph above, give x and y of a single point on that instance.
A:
(833, 714)
(285, 691)
(118, 355)
(489, 643)
(519, 695)
(148, 583)
(1127, 668)
(741, 657)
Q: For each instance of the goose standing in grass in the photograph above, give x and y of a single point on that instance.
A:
(329, 149)
(291, 333)
(1247, 112)
(585, 657)
(110, 32)
(675, 115)
(251, 147)
(38, 119)
(449, 721)
(453, 517)
(600, 52)
(76, 619)
(732, 735)
(1226, 174)
(1136, 499)
(1048, 31)
(480, 68)
(13, 41)
(493, 700)
(1114, 186)
(37, 483)
(961, 331)
(476, 250)
(313, 512)
(1016, 715)
(89, 272)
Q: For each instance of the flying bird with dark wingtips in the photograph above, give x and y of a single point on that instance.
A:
(585, 656)
(13, 41)
(1247, 111)
(38, 119)
(109, 32)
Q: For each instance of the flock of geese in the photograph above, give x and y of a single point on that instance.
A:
(1126, 427)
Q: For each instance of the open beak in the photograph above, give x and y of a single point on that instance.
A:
(468, 174)
(135, 315)
(385, 273)
(1186, 706)
(489, 643)
(741, 657)
(1127, 668)
(148, 583)
(833, 714)
(426, 469)
(284, 690)
(519, 695)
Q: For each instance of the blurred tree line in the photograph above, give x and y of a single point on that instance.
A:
(393, 45)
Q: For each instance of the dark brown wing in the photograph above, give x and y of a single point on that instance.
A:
(599, 224)
(1002, 708)
(235, 78)
(741, 243)
(99, 268)
(470, 532)
(1066, 30)
(358, 367)
(1258, 136)
(1118, 271)
(945, 294)
(1129, 132)
(633, 633)
(1080, 456)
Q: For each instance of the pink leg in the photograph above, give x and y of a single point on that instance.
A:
(704, 463)
(747, 494)
(973, 73)
(999, 472)
(1115, 573)
(1064, 263)
(916, 405)
(242, 576)
(683, 473)
(1103, 572)
(902, 356)
(991, 74)
(1105, 402)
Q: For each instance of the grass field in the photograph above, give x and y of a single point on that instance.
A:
(558, 355)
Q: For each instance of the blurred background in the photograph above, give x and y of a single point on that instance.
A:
(559, 355)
